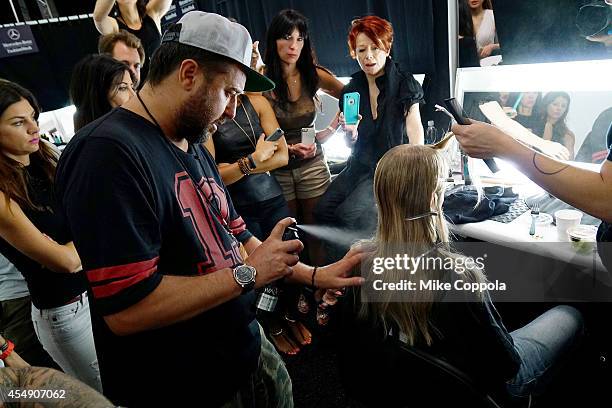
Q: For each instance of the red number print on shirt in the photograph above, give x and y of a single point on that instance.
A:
(220, 250)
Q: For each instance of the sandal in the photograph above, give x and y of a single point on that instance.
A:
(283, 342)
(299, 331)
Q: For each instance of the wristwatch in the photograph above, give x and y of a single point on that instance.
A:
(244, 275)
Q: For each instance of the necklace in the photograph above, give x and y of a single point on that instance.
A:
(293, 78)
(216, 206)
(254, 140)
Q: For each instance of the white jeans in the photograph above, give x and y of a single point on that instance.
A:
(65, 333)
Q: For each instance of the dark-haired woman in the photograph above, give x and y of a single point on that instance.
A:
(139, 17)
(527, 108)
(555, 106)
(483, 25)
(99, 84)
(33, 237)
(389, 105)
(291, 64)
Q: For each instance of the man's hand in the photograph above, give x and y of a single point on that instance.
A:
(481, 140)
(274, 258)
(337, 275)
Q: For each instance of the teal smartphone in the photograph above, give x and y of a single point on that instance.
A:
(350, 108)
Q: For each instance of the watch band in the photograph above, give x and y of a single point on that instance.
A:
(252, 161)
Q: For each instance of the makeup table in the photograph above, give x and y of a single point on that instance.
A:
(515, 234)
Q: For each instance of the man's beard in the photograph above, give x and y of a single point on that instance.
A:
(194, 117)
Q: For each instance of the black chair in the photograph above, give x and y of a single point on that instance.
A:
(388, 373)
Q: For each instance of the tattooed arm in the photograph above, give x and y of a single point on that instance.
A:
(13, 360)
(77, 394)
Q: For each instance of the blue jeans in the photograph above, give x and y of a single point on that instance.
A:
(349, 201)
(543, 345)
(65, 333)
(261, 217)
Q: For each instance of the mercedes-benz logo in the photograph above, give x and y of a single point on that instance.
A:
(14, 34)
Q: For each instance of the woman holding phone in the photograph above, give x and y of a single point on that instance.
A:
(389, 108)
(290, 63)
(245, 158)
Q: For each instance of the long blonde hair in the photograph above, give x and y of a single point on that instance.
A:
(408, 182)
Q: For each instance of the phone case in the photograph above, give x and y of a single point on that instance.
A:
(351, 108)
(308, 135)
(275, 136)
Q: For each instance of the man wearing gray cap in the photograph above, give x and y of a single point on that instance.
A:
(159, 239)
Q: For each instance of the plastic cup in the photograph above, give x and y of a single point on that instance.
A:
(583, 238)
(566, 219)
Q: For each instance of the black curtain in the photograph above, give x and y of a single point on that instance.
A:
(420, 35)
(47, 72)
(437, 83)
(420, 44)
(329, 23)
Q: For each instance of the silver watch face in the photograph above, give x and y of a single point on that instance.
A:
(244, 274)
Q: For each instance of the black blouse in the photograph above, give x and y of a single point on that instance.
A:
(48, 289)
(235, 139)
(398, 92)
(557, 135)
(532, 122)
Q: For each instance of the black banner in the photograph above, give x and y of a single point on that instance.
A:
(17, 40)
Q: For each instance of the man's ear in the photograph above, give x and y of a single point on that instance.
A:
(188, 74)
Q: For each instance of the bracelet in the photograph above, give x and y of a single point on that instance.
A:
(252, 161)
(7, 349)
(241, 166)
(331, 129)
(312, 281)
(244, 166)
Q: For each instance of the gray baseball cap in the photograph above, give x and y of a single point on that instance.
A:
(217, 34)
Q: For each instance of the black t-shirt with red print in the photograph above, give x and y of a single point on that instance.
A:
(139, 208)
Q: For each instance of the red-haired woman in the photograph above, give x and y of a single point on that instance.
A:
(389, 105)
